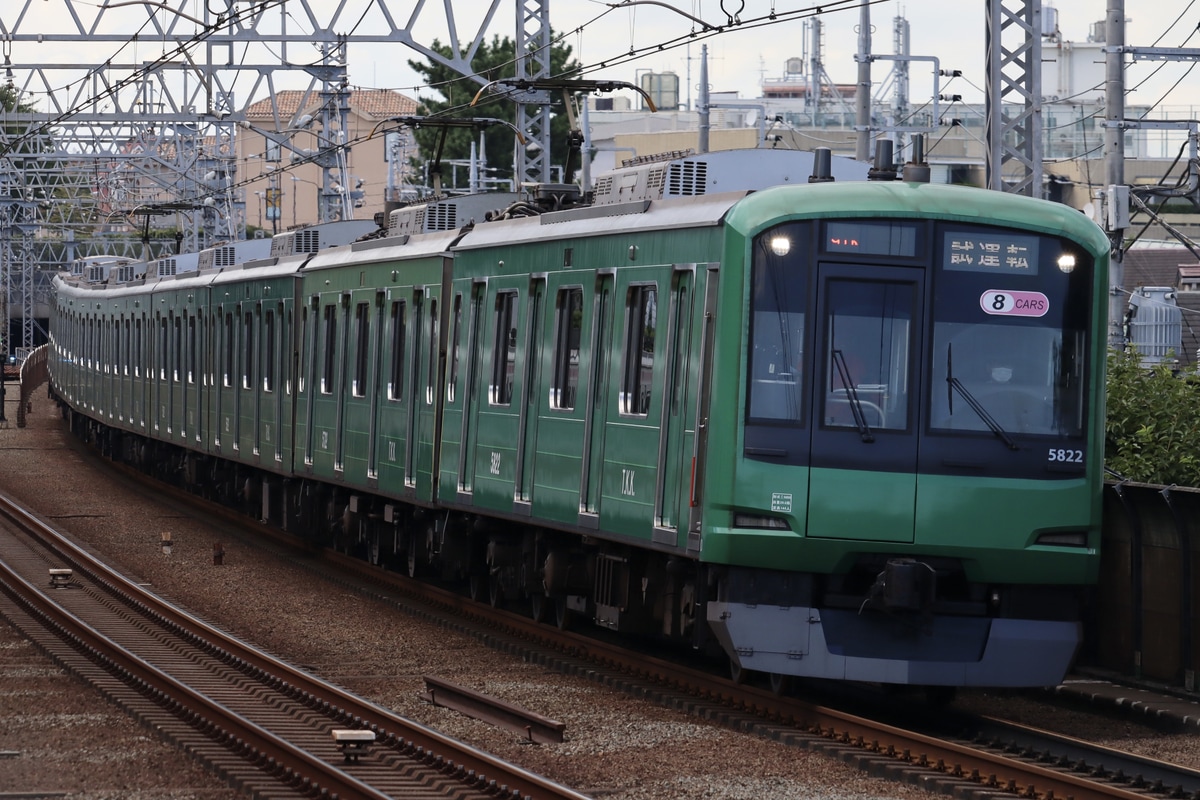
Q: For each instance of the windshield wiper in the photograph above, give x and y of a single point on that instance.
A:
(953, 383)
(856, 407)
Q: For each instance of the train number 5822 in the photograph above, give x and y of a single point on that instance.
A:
(1066, 456)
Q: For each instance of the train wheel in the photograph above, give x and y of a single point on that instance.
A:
(737, 673)
(495, 592)
(413, 556)
(780, 684)
(562, 614)
(538, 606)
(475, 585)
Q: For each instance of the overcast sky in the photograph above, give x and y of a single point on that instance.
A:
(950, 30)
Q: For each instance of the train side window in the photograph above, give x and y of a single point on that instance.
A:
(269, 353)
(137, 349)
(396, 376)
(504, 354)
(362, 329)
(248, 349)
(177, 366)
(330, 348)
(641, 314)
(567, 327)
(164, 345)
(227, 367)
(191, 351)
(456, 334)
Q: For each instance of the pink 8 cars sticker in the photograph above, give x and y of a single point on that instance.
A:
(1014, 304)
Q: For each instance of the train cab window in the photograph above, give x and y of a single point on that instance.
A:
(248, 345)
(455, 344)
(504, 354)
(362, 330)
(327, 366)
(779, 296)
(868, 345)
(641, 315)
(567, 328)
(269, 352)
(396, 374)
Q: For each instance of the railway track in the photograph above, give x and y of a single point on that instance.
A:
(966, 758)
(271, 729)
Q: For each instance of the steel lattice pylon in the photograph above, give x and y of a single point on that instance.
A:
(1013, 127)
(147, 106)
(531, 164)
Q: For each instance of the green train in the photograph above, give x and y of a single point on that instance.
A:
(839, 429)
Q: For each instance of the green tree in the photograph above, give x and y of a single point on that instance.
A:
(493, 61)
(1150, 430)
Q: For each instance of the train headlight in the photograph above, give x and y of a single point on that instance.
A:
(1066, 262)
(781, 245)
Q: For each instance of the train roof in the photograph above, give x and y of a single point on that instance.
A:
(903, 198)
(393, 248)
(690, 212)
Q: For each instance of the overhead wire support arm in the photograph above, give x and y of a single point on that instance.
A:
(567, 86)
(444, 124)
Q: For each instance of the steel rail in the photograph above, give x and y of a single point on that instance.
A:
(390, 728)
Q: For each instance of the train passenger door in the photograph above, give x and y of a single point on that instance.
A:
(531, 409)
(474, 351)
(675, 400)
(375, 389)
(595, 416)
(862, 481)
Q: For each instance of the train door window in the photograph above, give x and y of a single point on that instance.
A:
(431, 374)
(330, 326)
(568, 326)
(177, 351)
(227, 366)
(362, 330)
(868, 331)
(128, 351)
(456, 337)
(641, 316)
(504, 355)
(269, 352)
(396, 373)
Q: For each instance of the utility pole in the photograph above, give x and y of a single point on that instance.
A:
(862, 97)
(702, 105)
(1116, 205)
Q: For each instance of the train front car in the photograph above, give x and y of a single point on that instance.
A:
(914, 494)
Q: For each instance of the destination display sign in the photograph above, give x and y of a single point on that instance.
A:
(871, 238)
(997, 253)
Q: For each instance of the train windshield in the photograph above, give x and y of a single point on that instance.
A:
(1009, 340)
(942, 331)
